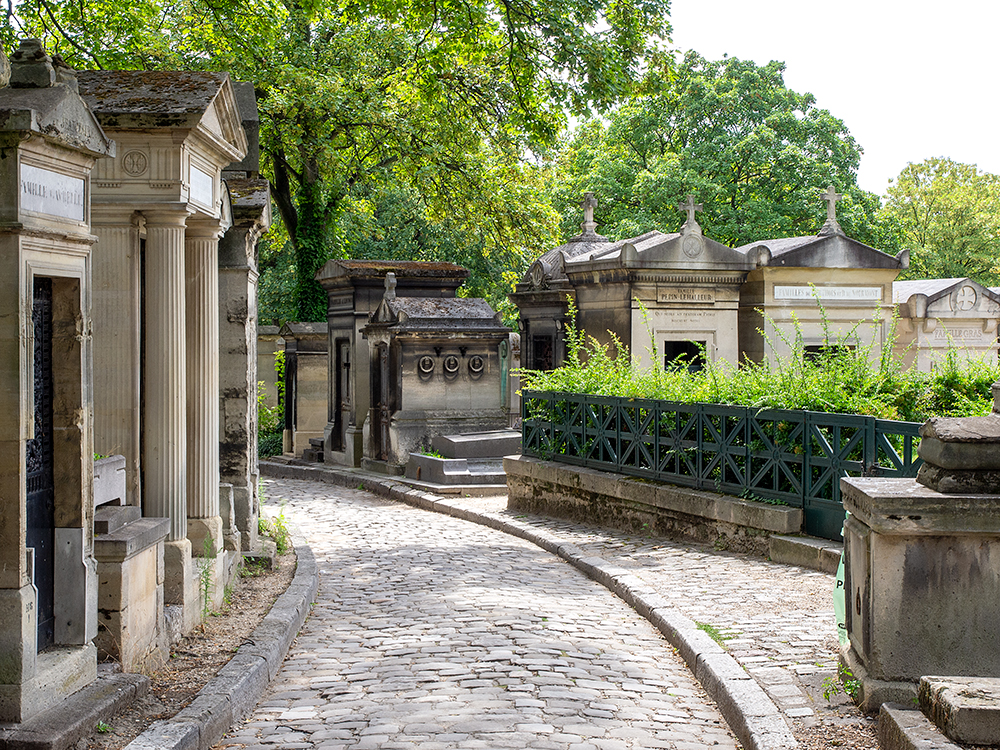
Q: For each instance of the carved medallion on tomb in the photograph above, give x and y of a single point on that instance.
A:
(135, 163)
(964, 299)
(451, 364)
(693, 245)
(537, 276)
(426, 365)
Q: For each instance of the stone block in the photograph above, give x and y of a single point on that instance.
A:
(176, 735)
(495, 444)
(213, 715)
(806, 552)
(904, 728)
(203, 532)
(243, 681)
(966, 709)
(109, 481)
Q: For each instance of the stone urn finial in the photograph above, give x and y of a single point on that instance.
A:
(31, 67)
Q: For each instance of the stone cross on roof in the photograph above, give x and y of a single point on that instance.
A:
(690, 206)
(831, 226)
(831, 197)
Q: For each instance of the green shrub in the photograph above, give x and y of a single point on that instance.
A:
(840, 379)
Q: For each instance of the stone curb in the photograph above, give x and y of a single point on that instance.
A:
(234, 692)
(747, 709)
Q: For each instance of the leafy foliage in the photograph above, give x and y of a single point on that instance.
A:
(755, 153)
(949, 215)
(366, 100)
(841, 380)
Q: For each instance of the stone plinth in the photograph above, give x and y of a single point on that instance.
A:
(130, 599)
(922, 585)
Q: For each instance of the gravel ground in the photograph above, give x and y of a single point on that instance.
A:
(198, 656)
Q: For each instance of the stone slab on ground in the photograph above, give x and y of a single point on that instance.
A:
(494, 444)
(62, 726)
(966, 709)
(903, 728)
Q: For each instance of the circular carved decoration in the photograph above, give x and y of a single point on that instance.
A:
(476, 365)
(451, 364)
(537, 276)
(135, 163)
(426, 365)
(693, 245)
(966, 298)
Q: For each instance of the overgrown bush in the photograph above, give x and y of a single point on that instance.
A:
(841, 379)
(271, 419)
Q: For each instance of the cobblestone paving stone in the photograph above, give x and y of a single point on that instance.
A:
(778, 619)
(431, 632)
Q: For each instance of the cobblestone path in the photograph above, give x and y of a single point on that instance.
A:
(431, 632)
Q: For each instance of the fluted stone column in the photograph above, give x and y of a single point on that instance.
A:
(202, 300)
(165, 426)
(117, 318)
(165, 413)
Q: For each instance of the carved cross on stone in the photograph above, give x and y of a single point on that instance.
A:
(831, 197)
(390, 285)
(690, 206)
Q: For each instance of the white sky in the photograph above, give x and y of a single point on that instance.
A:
(910, 80)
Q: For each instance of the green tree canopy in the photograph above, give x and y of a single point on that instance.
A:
(949, 216)
(361, 97)
(754, 152)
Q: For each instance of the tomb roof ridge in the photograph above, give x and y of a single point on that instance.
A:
(338, 267)
(935, 289)
(812, 251)
(149, 92)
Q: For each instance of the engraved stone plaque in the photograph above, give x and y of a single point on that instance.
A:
(46, 192)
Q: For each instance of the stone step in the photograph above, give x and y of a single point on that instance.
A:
(966, 709)
(806, 552)
(905, 728)
(110, 518)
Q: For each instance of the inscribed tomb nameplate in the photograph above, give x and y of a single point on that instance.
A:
(202, 185)
(833, 293)
(692, 296)
(46, 192)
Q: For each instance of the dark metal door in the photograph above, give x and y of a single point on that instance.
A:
(342, 395)
(38, 458)
(380, 407)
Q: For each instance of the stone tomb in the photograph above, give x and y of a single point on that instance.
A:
(852, 281)
(688, 284)
(306, 372)
(160, 208)
(435, 370)
(937, 314)
(354, 289)
(48, 581)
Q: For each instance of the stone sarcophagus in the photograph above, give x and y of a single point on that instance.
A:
(435, 370)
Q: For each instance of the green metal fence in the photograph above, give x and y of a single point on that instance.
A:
(797, 457)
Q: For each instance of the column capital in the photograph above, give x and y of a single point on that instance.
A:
(166, 216)
(113, 214)
(204, 229)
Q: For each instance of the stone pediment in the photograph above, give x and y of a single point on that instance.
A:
(687, 251)
(56, 113)
(175, 100)
(945, 298)
(833, 250)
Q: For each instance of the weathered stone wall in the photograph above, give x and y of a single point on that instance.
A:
(644, 506)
